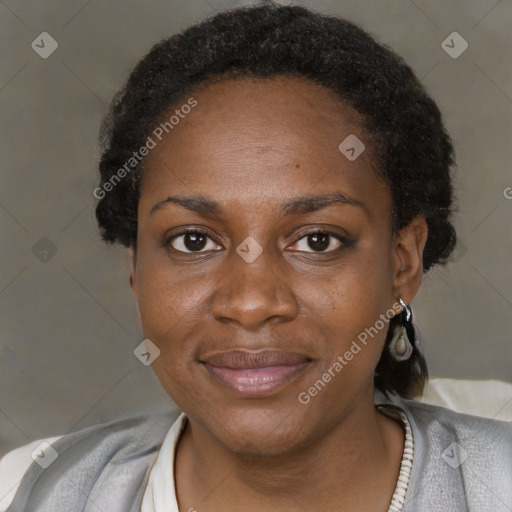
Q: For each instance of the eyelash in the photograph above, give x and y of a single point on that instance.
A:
(346, 243)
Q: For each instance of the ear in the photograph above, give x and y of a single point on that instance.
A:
(133, 279)
(133, 273)
(407, 258)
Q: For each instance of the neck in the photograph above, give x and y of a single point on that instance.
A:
(354, 465)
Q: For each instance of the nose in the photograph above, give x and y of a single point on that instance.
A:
(253, 294)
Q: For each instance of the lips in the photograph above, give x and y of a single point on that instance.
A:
(244, 359)
(251, 373)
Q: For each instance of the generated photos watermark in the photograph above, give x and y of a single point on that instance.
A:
(137, 156)
(343, 360)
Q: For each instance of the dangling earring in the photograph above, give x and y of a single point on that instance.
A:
(400, 346)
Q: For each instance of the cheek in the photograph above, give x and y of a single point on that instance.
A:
(173, 310)
(351, 305)
(169, 312)
(168, 297)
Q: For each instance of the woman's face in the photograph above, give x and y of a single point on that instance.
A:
(252, 313)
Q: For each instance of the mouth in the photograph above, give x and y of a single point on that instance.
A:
(250, 373)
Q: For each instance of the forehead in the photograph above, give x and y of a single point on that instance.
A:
(263, 140)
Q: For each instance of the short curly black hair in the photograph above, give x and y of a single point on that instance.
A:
(414, 154)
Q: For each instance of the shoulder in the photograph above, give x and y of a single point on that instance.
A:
(14, 464)
(467, 409)
(443, 434)
(465, 457)
(115, 448)
(475, 432)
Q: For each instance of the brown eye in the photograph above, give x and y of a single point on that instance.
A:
(320, 241)
(191, 241)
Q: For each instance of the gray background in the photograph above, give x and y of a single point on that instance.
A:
(68, 322)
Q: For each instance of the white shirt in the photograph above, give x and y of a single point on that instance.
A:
(160, 494)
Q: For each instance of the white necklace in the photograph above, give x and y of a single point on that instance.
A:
(398, 498)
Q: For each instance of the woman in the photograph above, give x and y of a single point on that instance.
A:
(282, 182)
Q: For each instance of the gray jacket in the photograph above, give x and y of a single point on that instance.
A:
(461, 463)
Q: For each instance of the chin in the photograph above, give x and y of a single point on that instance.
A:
(259, 432)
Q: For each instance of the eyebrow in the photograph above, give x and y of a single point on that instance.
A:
(295, 206)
